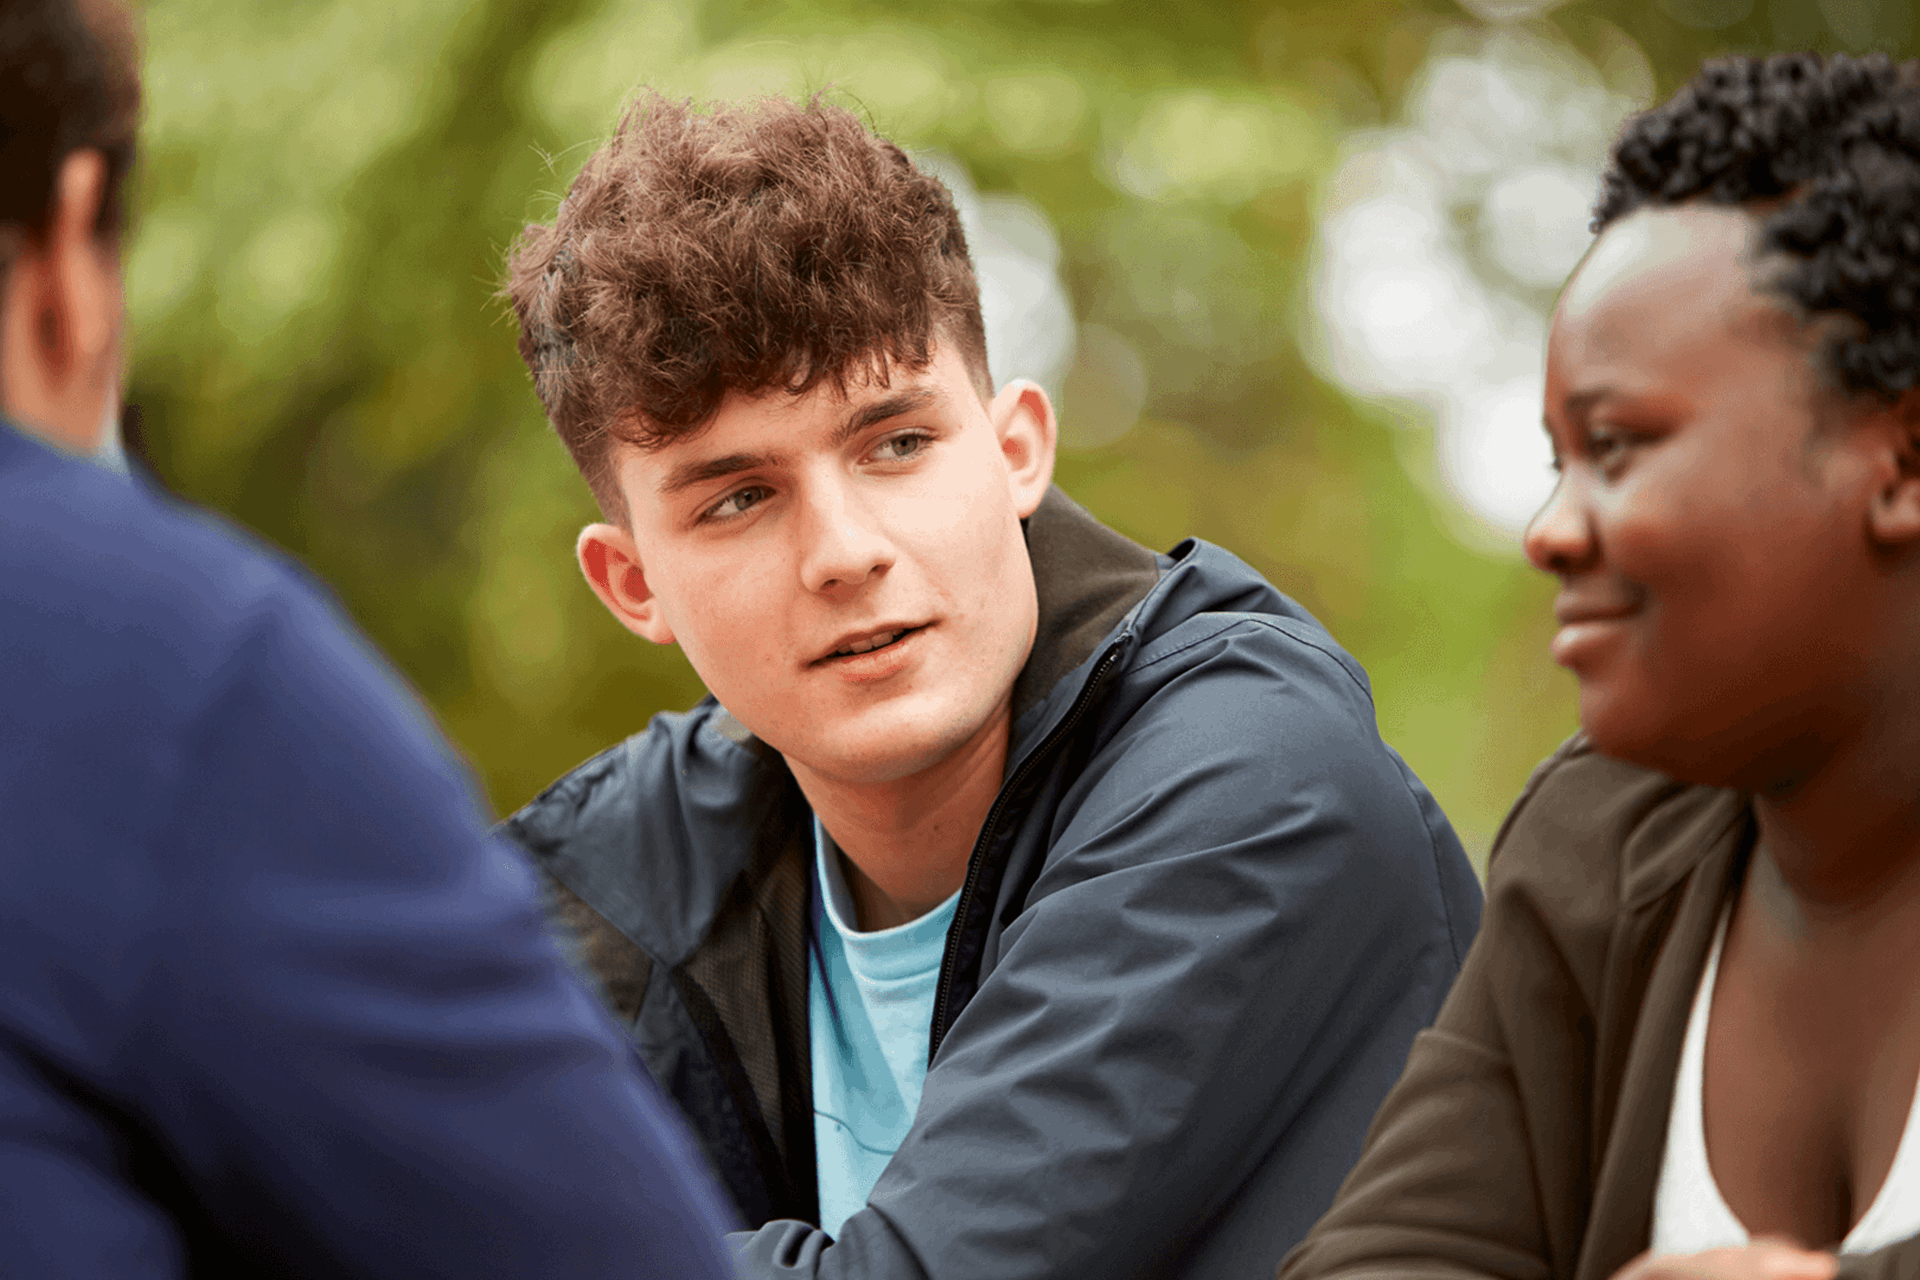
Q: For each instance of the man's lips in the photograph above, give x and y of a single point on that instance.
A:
(868, 640)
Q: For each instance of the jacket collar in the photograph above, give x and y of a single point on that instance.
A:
(1086, 578)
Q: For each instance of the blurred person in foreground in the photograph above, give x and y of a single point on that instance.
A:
(273, 1001)
(1021, 903)
(1687, 1039)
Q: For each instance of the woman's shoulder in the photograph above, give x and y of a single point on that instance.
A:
(1591, 836)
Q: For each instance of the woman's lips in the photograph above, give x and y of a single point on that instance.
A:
(1582, 635)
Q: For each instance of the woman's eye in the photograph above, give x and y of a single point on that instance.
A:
(900, 448)
(737, 503)
(1605, 447)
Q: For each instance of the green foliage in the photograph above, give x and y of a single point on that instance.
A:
(330, 187)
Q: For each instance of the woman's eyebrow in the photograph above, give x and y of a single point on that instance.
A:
(1580, 403)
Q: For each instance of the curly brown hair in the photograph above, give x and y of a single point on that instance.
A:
(739, 248)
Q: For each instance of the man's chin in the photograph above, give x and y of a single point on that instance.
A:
(867, 765)
(876, 751)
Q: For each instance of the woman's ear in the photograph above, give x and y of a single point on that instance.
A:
(1022, 418)
(1893, 518)
(612, 567)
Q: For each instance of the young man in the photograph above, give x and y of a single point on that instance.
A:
(1021, 903)
(274, 1003)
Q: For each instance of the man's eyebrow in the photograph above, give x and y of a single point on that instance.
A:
(880, 410)
(689, 474)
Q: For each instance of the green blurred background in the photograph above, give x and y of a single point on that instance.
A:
(1289, 262)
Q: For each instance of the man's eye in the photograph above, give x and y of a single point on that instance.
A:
(737, 503)
(900, 448)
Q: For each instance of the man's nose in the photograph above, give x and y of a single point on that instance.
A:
(844, 543)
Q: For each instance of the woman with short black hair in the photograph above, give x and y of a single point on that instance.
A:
(1686, 1040)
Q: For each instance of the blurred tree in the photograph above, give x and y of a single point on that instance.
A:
(330, 187)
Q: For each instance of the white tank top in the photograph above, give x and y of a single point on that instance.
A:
(1689, 1214)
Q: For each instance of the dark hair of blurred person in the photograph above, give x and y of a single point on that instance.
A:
(79, 90)
(274, 1001)
(69, 107)
(1687, 1040)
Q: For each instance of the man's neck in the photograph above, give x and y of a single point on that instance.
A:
(906, 842)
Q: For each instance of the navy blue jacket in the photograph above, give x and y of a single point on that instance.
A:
(272, 1001)
(1202, 922)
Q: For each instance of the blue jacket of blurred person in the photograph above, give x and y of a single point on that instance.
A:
(273, 999)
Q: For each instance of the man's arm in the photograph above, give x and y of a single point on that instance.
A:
(1239, 931)
(361, 1045)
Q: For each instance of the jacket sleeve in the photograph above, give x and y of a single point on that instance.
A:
(1449, 1184)
(360, 1045)
(1248, 909)
(1445, 1188)
(1897, 1261)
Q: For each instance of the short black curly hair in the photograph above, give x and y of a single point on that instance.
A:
(1834, 139)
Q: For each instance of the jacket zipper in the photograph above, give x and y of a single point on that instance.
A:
(943, 996)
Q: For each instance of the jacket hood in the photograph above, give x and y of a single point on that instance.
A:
(1098, 589)
(660, 862)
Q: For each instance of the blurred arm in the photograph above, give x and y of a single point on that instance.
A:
(362, 1047)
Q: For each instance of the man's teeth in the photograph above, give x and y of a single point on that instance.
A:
(869, 644)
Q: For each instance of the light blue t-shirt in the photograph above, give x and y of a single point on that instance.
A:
(869, 1008)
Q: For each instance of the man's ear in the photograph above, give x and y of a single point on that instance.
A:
(611, 562)
(60, 316)
(89, 284)
(1022, 418)
(1893, 518)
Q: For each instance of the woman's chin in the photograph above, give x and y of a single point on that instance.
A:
(1626, 729)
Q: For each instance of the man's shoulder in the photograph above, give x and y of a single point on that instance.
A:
(1235, 694)
(1235, 689)
(679, 756)
(185, 718)
(652, 832)
(148, 640)
(1096, 587)
(102, 573)
(1214, 618)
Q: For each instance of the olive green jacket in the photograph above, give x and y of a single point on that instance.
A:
(1525, 1137)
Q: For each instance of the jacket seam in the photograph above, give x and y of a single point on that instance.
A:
(1433, 848)
(1439, 888)
(1264, 624)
